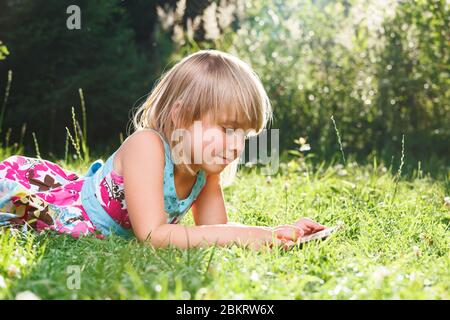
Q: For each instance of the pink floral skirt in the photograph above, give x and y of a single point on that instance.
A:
(39, 194)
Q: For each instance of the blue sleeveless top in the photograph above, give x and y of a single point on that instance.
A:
(175, 208)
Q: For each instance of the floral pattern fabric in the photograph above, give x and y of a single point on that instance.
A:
(40, 194)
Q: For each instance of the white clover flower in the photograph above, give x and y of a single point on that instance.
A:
(2, 282)
(380, 274)
(185, 295)
(427, 282)
(27, 295)
(254, 276)
(447, 201)
(12, 270)
(417, 251)
(202, 291)
(23, 260)
(239, 296)
(336, 290)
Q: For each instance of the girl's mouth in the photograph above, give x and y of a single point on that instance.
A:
(226, 160)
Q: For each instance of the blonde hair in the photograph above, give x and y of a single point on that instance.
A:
(207, 82)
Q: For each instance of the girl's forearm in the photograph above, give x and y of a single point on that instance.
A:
(208, 235)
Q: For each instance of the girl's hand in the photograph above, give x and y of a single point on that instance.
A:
(288, 232)
(309, 226)
(284, 244)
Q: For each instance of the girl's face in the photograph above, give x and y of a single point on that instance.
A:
(214, 145)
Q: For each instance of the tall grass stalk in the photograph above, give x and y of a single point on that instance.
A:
(399, 172)
(22, 133)
(38, 154)
(8, 134)
(339, 138)
(5, 99)
(75, 145)
(84, 131)
(77, 141)
(66, 147)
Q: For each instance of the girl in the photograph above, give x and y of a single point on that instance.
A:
(191, 127)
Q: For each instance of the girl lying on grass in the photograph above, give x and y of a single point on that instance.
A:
(207, 104)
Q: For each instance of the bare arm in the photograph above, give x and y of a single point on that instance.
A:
(143, 171)
(209, 235)
(209, 207)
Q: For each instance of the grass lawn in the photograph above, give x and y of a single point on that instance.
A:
(395, 245)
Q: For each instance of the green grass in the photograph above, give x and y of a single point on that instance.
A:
(391, 247)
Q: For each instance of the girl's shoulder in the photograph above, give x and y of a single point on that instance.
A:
(139, 140)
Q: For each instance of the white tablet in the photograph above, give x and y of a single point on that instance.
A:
(321, 234)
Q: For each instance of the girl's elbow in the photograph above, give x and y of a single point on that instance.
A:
(155, 237)
(146, 236)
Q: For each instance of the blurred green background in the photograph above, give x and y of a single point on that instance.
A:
(379, 68)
